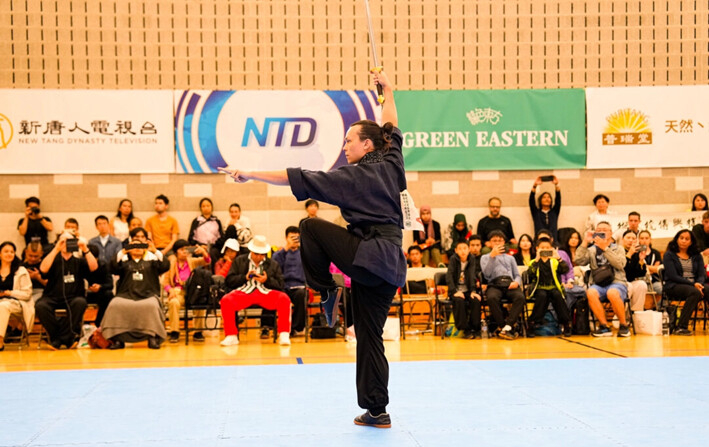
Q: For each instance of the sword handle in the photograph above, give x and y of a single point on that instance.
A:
(380, 90)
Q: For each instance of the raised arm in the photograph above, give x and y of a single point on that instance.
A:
(389, 114)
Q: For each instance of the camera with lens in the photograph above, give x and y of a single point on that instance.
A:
(34, 210)
(72, 245)
(137, 245)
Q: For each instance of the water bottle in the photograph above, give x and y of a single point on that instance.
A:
(665, 323)
(483, 331)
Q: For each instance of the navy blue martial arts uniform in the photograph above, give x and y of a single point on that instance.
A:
(368, 251)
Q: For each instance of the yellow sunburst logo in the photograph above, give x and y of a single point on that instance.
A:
(627, 126)
(6, 131)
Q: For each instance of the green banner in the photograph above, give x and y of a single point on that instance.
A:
(464, 130)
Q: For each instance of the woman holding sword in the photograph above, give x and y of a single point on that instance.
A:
(367, 190)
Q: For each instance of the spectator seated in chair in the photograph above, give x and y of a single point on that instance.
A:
(459, 230)
(230, 250)
(495, 221)
(255, 280)
(415, 262)
(100, 284)
(65, 275)
(33, 258)
(136, 314)
(685, 277)
(429, 240)
(653, 260)
(162, 228)
(544, 276)
(504, 282)
(461, 279)
(108, 246)
(288, 258)
(635, 270)
(607, 261)
(15, 290)
(181, 265)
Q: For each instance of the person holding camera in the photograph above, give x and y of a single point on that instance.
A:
(545, 211)
(255, 280)
(135, 314)
(182, 263)
(34, 226)
(65, 275)
(503, 283)
(607, 261)
(545, 273)
(292, 267)
(635, 270)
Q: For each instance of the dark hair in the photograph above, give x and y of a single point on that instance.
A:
(532, 251)
(628, 231)
(137, 230)
(414, 248)
(311, 202)
(461, 241)
(100, 217)
(292, 229)
(564, 242)
(15, 264)
(32, 199)
(633, 213)
(706, 202)
(539, 199)
(648, 233)
(544, 233)
(236, 205)
(475, 237)
(164, 198)
(599, 197)
(495, 233)
(73, 221)
(673, 246)
(118, 212)
(705, 215)
(380, 136)
(542, 240)
(35, 246)
(206, 199)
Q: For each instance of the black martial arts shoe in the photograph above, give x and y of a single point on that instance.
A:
(331, 305)
(153, 343)
(117, 344)
(366, 419)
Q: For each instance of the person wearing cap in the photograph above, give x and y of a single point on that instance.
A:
(255, 280)
(181, 265)
(289, 259)
(229, 252)
(368, 192)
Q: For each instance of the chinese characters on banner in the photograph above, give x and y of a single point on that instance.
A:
(660, 225)
(640, 127)
(82, 131)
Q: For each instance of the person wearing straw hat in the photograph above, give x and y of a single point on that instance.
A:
(367, 190)
(255, 280)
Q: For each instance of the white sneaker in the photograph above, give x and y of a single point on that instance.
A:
(230, 340)
(284, 339)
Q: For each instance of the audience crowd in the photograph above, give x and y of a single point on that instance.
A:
(138, 275)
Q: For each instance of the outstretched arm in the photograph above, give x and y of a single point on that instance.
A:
(272, 177)
(389, 114)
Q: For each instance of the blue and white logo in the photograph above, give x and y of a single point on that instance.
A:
(266, 130)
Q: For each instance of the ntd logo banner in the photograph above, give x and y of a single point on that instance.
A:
(265, 130)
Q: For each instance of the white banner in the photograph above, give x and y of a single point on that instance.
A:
(639, 127)
(86, 131)
(266, 130)
(660, 225)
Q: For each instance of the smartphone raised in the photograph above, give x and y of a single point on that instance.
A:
(546, 253)
(547, 178)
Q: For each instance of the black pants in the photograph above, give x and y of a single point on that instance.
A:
(322, 243)
(495, 297)
(61, 329)
(691, 297)
(100, 298)
(542, 297)
(297, 297)
(466, 313)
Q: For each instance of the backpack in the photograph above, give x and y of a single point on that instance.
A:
(320, 329)
(579, 317)
(197, 287)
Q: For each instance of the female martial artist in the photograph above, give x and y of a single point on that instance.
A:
(367, 190)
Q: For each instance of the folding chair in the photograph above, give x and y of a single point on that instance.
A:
(426, 274)
(211, 309)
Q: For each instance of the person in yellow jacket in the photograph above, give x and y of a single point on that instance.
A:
(544, 272)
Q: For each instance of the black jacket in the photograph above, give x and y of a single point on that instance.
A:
(673, 270)
(240, 267)
(453, 273)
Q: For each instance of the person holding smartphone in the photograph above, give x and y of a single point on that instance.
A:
(635, 270)
(545, 211)
(544, 275)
